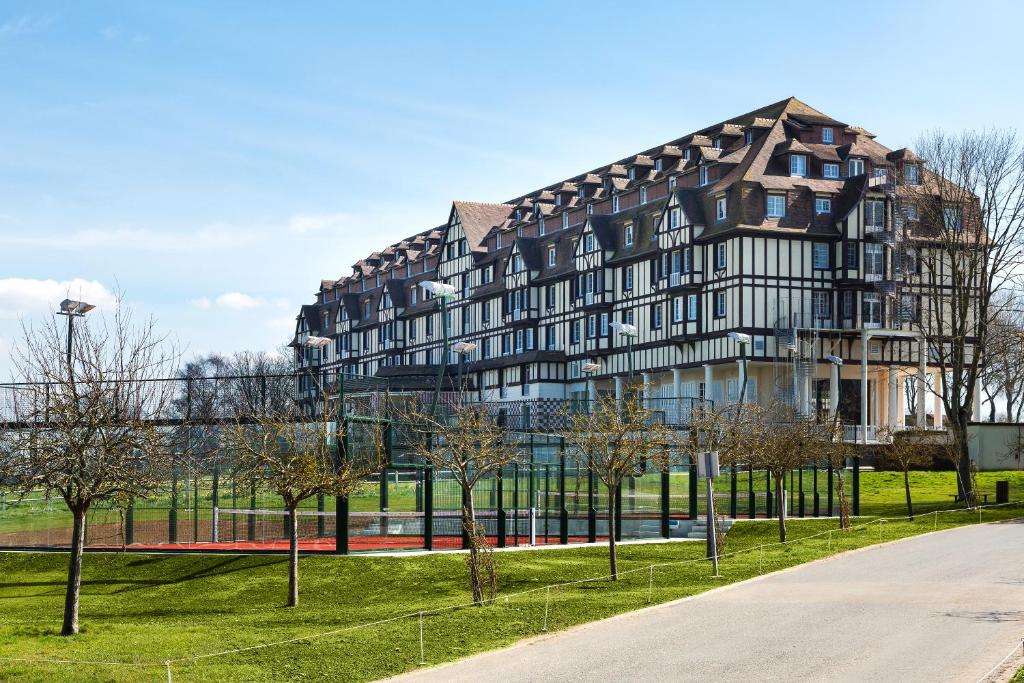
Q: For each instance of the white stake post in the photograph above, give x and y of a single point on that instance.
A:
(216, 526)
(707, 467)
(423, 659)
(533, 526)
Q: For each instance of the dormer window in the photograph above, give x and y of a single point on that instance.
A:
(497, 240)
(910, 174)
(797, 165)
(673, 218)
(686, 154)
(822, 205)
(657, 164)
(748, 136)
(702, 174)
(517, 263)
(588, 243)
(580, 191)
(414, 295)
(643, 195)
(952, 217)
(827, 136)
(565, 219)
(830, 170)
(615, 203)
(721, 209)
(627, 238)
(366, 309)
(552, 256)
(590, 209)
(558, 199)
(856, 167)
(717, 143)
(671, 182)
(632, 172)
(519, 214)
(540, 226)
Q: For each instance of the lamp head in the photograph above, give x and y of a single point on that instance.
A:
(624, 329)
(591, 368)
(835, 360)
(313, 342)
(739, 337)
(464, 348)
(440, 290)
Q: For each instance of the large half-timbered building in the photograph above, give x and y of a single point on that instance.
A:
(784, 224)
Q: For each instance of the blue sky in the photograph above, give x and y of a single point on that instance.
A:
(215, 160)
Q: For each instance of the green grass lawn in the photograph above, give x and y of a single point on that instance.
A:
(148, 608)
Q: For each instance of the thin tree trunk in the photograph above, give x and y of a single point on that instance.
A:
(469, 523)
(965, 482)
(74, 586)
(844, 510)
(906, 488)
(612, 559)
(781, 507)
(293, 558)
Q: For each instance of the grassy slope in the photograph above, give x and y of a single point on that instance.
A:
(149, 608)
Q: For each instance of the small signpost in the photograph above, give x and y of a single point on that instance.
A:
(707, 468)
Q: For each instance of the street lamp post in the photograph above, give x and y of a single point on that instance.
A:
(742, 339)
(73, 309)
(629, 332)
(463, 349)
(441, 291)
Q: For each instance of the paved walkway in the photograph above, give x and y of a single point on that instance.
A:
(941, 607)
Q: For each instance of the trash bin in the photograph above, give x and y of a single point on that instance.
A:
(1002, 492)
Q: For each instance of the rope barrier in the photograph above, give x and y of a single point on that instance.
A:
(167, 663)
(1002, 661)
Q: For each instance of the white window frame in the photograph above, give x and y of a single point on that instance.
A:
(615, 203)
(552, 256)
(874, 213)
(821, 256)
(643, 195)
(822, 206)
(854, 167)
(541, 228)
(673, 218)
(776, 212)
(677, 309)
(565, 219)
(721, 256)
(627, 279)
(721, 209)
(827, 135)
(702, 174)
(911, 178)
(691, 307)
(830, 170)
(798, 165)
(721, 304)
(656, 316)
(627, 238)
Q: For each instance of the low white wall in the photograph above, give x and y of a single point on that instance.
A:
(996, 445)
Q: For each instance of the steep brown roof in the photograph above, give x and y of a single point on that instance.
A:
(478, 218)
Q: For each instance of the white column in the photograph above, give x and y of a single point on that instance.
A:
(833, 391)
(893, 376)
(938, 400)
(864, 387)
(741, 376)
(708, 393)
(922, 382)
(677, 383)
(591, 390)
(977, 402)
(618, 388)
(901, 405)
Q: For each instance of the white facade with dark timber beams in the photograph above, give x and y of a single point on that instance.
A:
(783, 224)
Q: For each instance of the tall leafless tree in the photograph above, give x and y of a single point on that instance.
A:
(1002, 375)
(969, 238)
(616, 439)
(89, 433)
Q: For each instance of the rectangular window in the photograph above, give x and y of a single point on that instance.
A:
(872, 309)
(691, 307)
(550, 338)
(702, 173)
(874, 214)
(673, 218)
(565, 219)
(910, 212)
(574, 332)
(540, 227)
(822, 206)
(720, 304)
(721, 256)
(604, 324)
(591, 326)
(827, 136)
(851, 255)
(615, 203)
(830, 170)
(822, 305)
(748, 136)
(856, 167)
(776, 205)
(628, 236)
(821, 260)
(952, 217)
(552, 256)
(656, 313)
(517, 263)
(910, 175)
(671, 182)
(797, 165)
(874, 261)
(550, 294)
(848, 304)
(627, 317)
(677, 309)
(627, 278)
(721, 210)
(588, 243)
(643, 195)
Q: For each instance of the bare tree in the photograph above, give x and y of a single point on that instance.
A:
(969, 238)
(782, 441)
(904, 450)
(299, 458)
(89, 432)
(469, 442)
(1002, 374)
(834, 451)
(617, 439)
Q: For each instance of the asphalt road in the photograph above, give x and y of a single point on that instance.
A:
(941, 607)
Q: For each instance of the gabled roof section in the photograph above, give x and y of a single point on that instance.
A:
(478, 218)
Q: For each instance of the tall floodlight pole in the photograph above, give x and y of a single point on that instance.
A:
(441, 291)
(463, 349)
(72, 309)
(742, 339)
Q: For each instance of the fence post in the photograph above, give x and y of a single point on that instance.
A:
(129, 524)
(665, 501)
(321, 526)
(515, 504)
(800, 484)
(172, 516)
(768, 497)
(428, 507)
(341, 525)
(732, 491)
(856, 487)
(563, 509)
(817, 496)
(693, 489)
(831, 485)
(251, 530)
(751, 498)
(384, 501)
(500, 502)
(214, 536)
(591, 507)
(423, 659)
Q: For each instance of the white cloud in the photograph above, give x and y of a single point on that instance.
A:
(23, 296)
(24, 25)
(238, 301)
